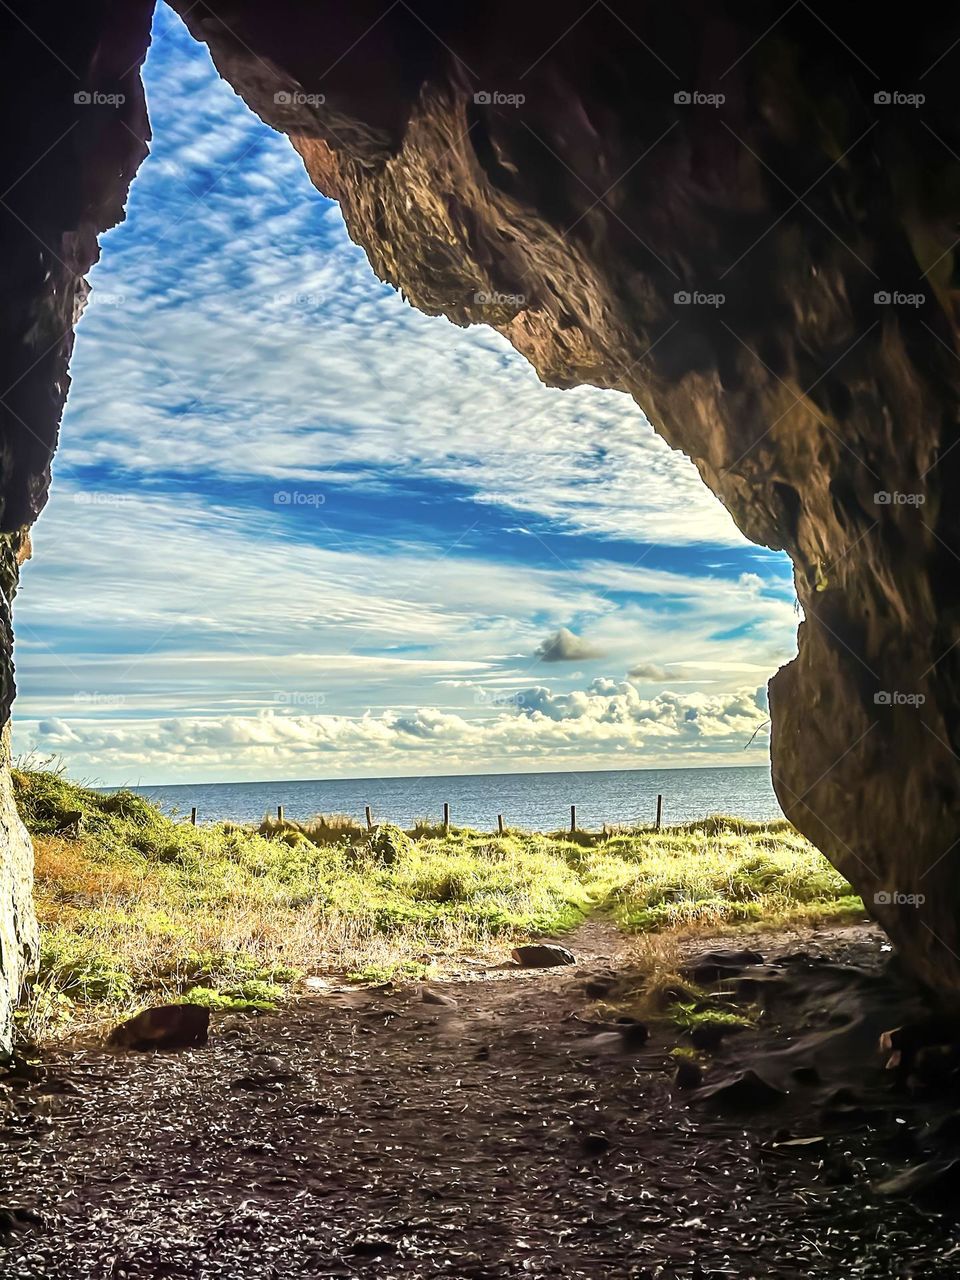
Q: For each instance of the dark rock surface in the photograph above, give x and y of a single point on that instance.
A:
(542, 955)
(166, 1026)
(365, 1134)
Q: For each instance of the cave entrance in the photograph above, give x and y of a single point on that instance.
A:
(340, 554)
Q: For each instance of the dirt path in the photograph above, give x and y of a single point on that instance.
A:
(369, 1134)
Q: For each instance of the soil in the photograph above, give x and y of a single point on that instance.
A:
(369, 1133)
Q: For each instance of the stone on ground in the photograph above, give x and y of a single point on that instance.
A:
(167, 1026)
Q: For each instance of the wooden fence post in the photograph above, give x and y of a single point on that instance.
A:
(279, 812)
(659, 812)
(573, 818)
(369, 817)
(193, 816)
(499, 824)
(446, 816)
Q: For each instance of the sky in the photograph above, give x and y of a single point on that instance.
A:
(299, 530)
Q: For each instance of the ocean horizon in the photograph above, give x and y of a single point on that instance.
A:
(535, 801)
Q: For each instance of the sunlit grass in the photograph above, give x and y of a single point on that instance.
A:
(136, 906)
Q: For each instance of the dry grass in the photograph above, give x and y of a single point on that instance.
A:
(136, 906)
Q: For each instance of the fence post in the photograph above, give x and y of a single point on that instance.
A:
(279, 812)
(446, 816)
(193, 816)
(573, 818)
(369, 817)
(659, 812)
(499, 824)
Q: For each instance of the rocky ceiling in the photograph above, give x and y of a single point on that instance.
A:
(743, 214)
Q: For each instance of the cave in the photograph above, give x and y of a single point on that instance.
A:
(744, 217)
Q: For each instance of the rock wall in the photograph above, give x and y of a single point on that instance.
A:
(739, 214)
(75, 131)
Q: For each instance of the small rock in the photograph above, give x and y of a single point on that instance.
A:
(806, 1074)
(709, 1035)
(595, 1144)
(316, 984)
(689, 1075)
(634, 1034)
(597, 988)
(542, 955)
(168, 1026)
(429, 996)
(745, 1091)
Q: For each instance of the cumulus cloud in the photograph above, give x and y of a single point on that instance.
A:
(581, 728)
(564, 646)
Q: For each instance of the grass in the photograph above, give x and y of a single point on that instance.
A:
(136, 906)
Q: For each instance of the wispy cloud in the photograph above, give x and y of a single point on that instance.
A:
(296, 525)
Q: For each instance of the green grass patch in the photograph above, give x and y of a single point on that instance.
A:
(136, 906)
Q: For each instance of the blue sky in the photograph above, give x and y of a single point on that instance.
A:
(298, 529)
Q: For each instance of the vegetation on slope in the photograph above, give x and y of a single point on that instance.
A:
(135, 905)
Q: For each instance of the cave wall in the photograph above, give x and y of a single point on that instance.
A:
(570, 175)
(75, 131)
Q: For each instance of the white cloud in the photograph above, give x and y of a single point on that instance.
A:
(579, 729)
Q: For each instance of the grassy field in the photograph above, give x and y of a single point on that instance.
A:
(135, 906)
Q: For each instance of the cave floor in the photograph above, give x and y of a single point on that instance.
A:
(365, 1133)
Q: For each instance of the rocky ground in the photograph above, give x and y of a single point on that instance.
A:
(512, 1133)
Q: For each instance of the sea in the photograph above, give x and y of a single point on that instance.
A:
(535, 801)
